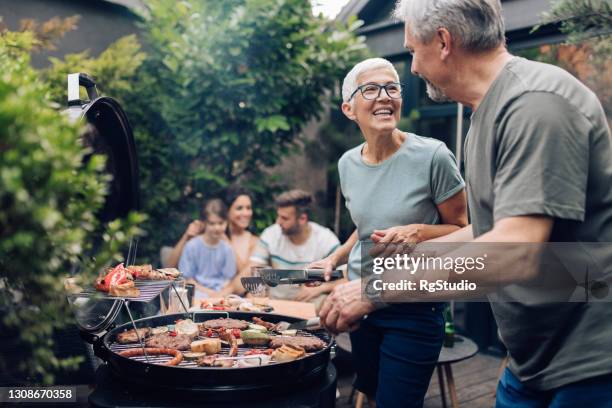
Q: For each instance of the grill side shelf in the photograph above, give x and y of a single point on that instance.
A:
(149, 290)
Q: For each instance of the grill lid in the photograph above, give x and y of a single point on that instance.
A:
(108, 133)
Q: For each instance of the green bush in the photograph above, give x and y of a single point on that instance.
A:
(48, 200)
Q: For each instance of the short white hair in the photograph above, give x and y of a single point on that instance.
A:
(478, 25)
(350, 80)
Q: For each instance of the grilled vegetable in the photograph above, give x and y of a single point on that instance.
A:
(193, 356)
(257, 327)
(254, 338)
(207, 346)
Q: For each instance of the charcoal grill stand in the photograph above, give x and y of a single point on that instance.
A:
(111, 392)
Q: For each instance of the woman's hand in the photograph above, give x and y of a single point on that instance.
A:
(327, 264)
(193, 229)
(403, 234)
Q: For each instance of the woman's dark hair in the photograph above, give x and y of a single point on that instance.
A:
(233, 192)
(214, 206)
(231, 195)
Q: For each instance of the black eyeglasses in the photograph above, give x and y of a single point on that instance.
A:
(372, 91)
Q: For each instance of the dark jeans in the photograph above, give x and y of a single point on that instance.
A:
(594, 392)
(395, 351)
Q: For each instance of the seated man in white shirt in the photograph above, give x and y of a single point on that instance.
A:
(293, 243)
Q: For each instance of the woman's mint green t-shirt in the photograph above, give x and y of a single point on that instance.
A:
(402, 190)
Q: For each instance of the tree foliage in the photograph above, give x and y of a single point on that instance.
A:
(227, 88)
(588, 50)
(48, 199)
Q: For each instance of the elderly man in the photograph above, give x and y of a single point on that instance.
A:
(538, 169)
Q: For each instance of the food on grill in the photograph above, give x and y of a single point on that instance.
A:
(257, 327)
(171, 340)
(190, 355)
(308, 343)
(146, 272)
(208, 346)
(288, 352)
(254, 338)
(256, 361)
(261, 322)
(187, 327)
(253, 352)
(117, 282)
(129, 336)
(142, 271)
(176, 360)
(170, 273)
(236, 303)
(292, 332)
(124, 290)
(159, 330)
(226, 324)
(213, 361)
(229, 337)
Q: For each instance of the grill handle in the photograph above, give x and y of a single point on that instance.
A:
(97, 343)
(77, 80)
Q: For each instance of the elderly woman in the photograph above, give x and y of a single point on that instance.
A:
(396, 184)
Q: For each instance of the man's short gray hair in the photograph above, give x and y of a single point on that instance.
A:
(350, 80)
(478, 25)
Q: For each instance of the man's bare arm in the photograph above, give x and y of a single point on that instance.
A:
(506, 264)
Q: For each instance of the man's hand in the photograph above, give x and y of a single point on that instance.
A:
(306, 294)
(344, 308)
(327, 264)
(194, 228)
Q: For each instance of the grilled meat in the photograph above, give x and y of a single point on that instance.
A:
(229, 337)
(212, 361)
(269, 326)
(225, 323)
(308, 343)
(170, 340)
(129, 336)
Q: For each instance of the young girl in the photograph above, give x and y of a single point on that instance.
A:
(207, 260)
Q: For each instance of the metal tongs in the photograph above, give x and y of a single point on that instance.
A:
(273, 277)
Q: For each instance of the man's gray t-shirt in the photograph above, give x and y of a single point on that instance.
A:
(402, 190)
(539, 144)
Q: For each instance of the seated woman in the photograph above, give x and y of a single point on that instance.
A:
(207, 259)
(242, 241)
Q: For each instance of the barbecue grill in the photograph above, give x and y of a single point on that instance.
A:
(218, 383)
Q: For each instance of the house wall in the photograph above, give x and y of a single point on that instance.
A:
(101, 23)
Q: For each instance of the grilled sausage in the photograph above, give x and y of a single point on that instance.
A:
(176, 360)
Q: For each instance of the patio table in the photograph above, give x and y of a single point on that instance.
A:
(463, 349)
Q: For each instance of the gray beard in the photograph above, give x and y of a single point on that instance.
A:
(435, 93)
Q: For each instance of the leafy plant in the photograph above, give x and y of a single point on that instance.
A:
(48, 202)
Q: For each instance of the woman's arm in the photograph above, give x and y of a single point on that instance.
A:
(234, 286)
(453, 213)
(194, 228)
(209, 292)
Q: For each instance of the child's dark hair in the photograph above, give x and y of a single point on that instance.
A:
(214, 206)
